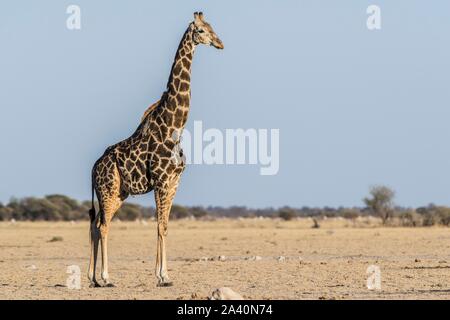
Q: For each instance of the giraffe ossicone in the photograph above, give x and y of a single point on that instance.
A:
(145, 161)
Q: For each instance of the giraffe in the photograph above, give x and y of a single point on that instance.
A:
(145, 161)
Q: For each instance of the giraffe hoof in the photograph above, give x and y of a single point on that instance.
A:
(95, 285)
(165, 284)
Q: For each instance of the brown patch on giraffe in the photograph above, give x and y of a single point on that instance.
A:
(176, 83)
(185, 77)
(186, 63)
(177, 69)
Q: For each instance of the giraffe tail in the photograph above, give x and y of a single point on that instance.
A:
(92, 210)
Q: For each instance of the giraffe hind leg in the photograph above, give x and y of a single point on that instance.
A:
(108, 195)
(99, 236)
(94, 236)
(110, 203)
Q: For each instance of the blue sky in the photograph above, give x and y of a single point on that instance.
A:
(354, 107)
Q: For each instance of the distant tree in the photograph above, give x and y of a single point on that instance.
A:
(38, 209)
(198, 212)
(410, 218)
(67, 208)
(429, 219)
(5, 213)
(148, 212)
(179, 212)
(130, 211)
(286, 214)
(380, 202)
(433, 215)
(350, 214)
(63, 201)
(444, 215)
(237, 211)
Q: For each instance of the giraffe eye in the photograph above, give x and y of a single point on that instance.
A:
(201, 31)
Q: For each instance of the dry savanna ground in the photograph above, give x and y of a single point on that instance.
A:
(325, 263)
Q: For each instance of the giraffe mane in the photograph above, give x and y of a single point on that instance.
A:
(149, 110)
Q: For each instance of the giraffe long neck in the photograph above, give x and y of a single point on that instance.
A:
(172, 110)
(179, 84)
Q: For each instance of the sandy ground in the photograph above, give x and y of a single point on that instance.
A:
(325, 263)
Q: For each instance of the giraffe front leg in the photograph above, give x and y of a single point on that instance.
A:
(164, 198)
(161, 263)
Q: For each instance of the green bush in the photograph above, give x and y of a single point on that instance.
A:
(198, 212)
(179, 212)
(350, 214)
(129, 211)
(444, 215)
(62, 208)
(410, 218)
(286, 214)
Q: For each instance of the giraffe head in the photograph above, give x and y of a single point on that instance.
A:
(204, 33)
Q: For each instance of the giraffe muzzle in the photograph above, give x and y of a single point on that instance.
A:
(217, 43)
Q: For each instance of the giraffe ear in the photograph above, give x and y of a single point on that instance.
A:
(198, 16)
